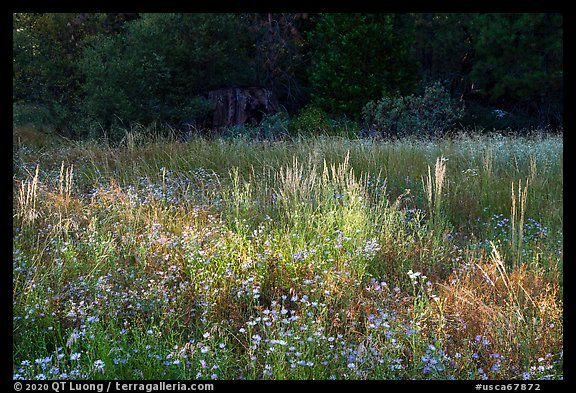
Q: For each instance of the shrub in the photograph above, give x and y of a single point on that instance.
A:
(272, 127)
(311, 120)
(30, 115)
(430, 114)
(314, 121)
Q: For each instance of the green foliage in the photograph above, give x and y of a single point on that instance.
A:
(155, 70)
(430, 114)
(272, 127)
(45, 73)
(281, 55)
(443, 45)
(492, 119)
(314, 121)
(310, 121)
(356, 58)
(519, 64)
(84, 74)
(33, 115)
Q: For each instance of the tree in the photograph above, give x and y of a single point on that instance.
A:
(444, 48)
(157, 67)
(44, 71)
(46, 52)
(519, 64)
(357, 58)
(281, 55)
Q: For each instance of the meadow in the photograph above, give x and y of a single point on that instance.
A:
(312, 258)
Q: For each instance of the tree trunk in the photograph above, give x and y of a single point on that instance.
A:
(241, 105)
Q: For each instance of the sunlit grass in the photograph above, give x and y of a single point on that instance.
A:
(322, 258)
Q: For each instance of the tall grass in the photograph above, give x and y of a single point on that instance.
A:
(26, 199)
(517, 219)
(316, 259)
(433, 188)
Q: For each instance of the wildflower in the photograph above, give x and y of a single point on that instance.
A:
(99, 365)
(412, 275)
(299, 255)
(44, 360)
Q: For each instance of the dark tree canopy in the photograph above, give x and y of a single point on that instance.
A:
(77, 70)
(357, 58)
(519, 63)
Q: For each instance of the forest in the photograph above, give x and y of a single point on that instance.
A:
(85, 75)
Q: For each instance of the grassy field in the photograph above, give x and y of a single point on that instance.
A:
(321, 258)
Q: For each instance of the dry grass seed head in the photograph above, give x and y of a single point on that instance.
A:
(508, 308)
